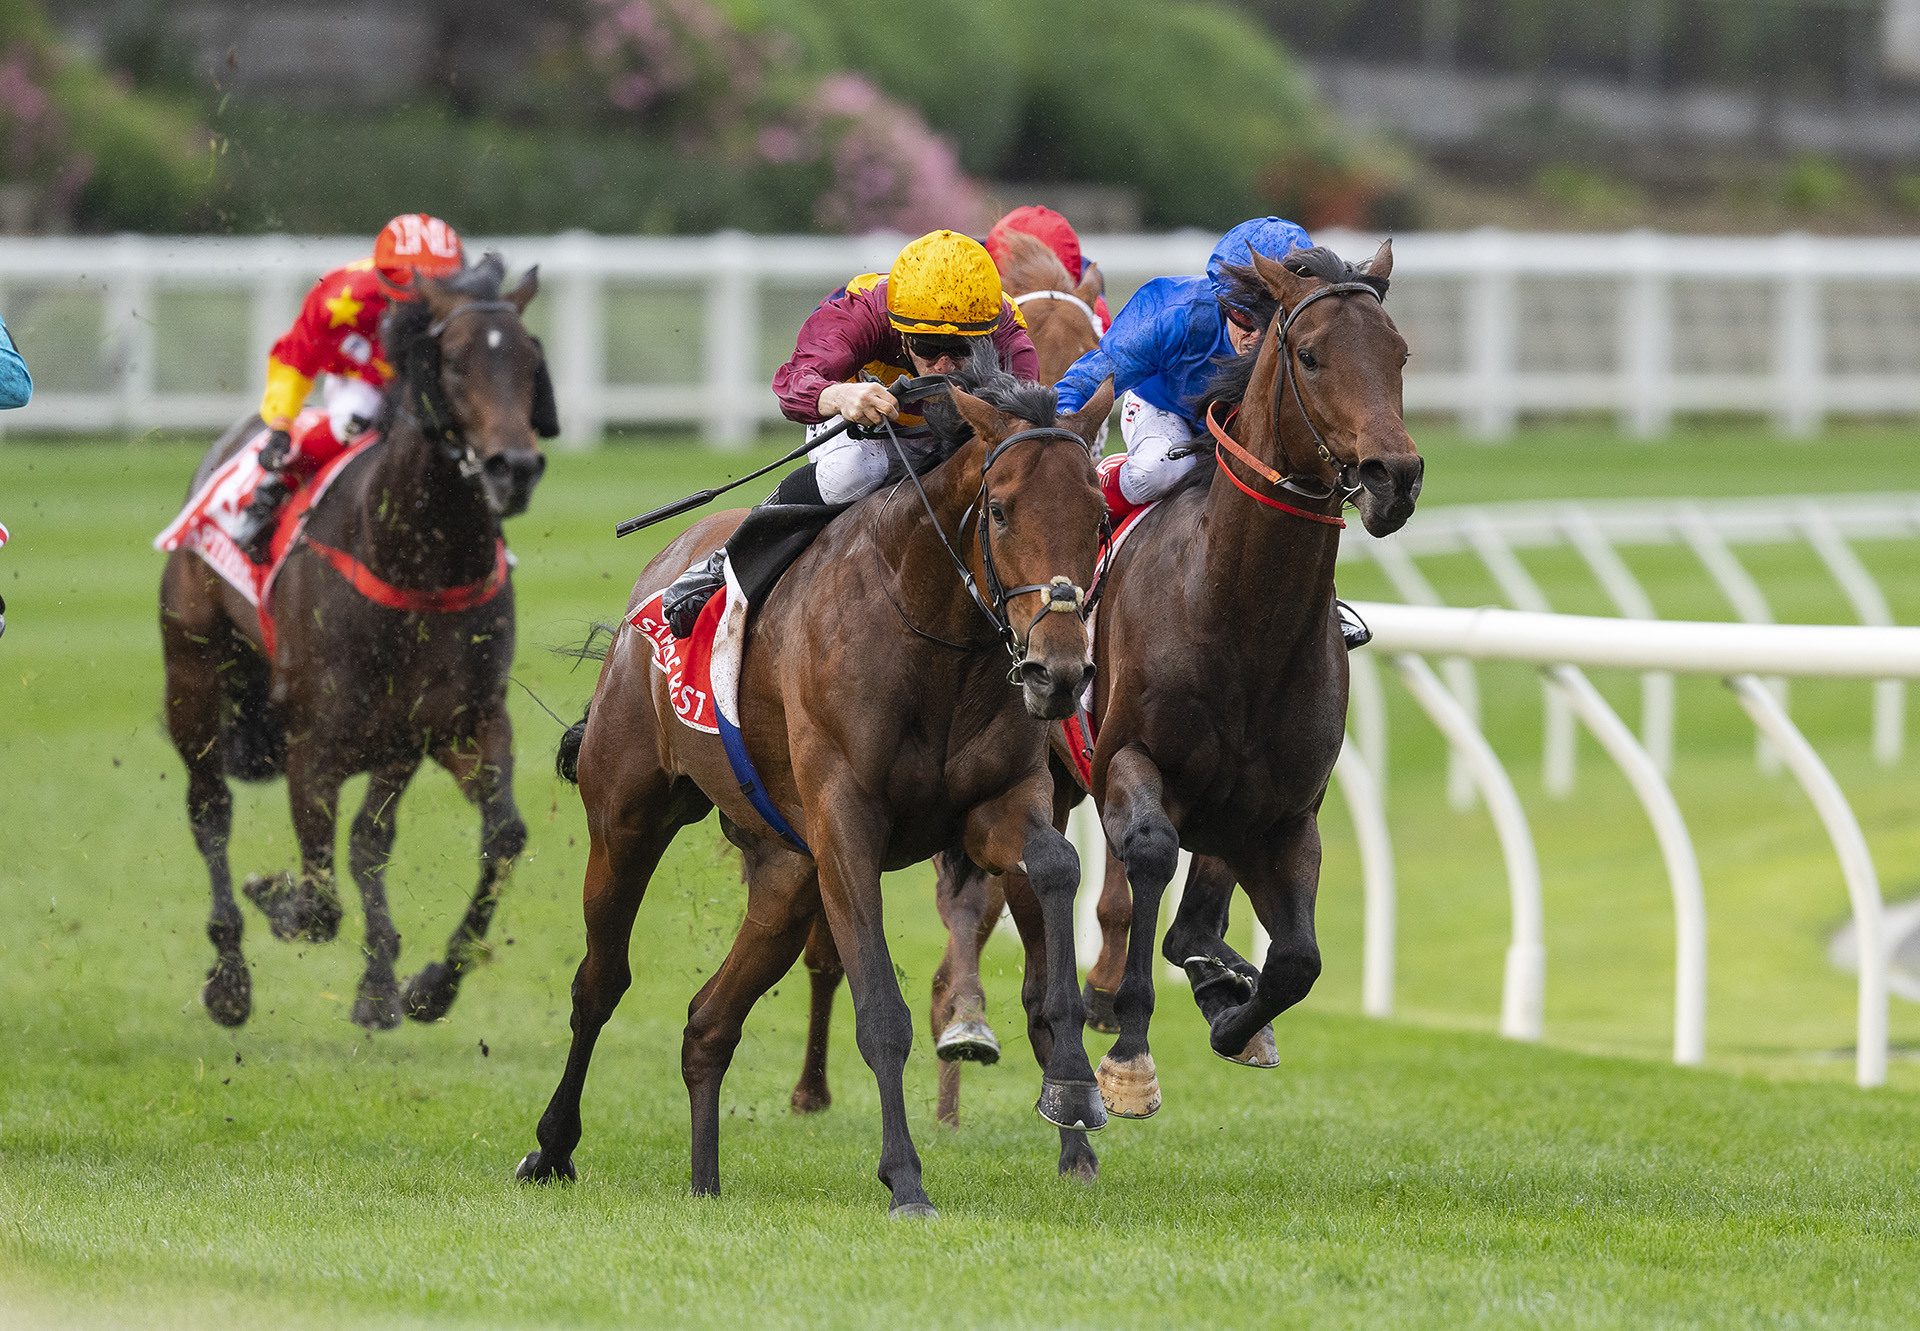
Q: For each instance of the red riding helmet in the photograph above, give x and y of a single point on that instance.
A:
(416, 243)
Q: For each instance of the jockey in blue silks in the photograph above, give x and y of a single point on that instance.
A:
(16, 385)
(1161, 354)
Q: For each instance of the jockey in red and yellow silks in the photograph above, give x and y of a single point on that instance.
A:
(939, 301)
(336, 339)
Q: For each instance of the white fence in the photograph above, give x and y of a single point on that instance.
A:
(131, 333)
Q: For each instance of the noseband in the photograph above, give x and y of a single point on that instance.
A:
(1343, 483)
(1064, 596)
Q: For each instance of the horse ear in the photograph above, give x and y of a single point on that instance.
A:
(1093, 284)
(988, 423)
(1379, 268)
(1287, 286)
(437, 296)
(546, 411)
(524, 290)
(1088, 421)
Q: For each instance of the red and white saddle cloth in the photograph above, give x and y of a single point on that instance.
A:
(1076, 732)
(206, 525)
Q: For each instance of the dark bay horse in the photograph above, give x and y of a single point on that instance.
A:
(1060, 320)
(876, 705)
(1221, 691)
(354, 686)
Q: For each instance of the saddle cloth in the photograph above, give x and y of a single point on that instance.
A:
(1076, 732)
(703, 684)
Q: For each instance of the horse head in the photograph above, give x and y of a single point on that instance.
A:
(1057, 309)
(477, 379)
(1333, 350)
(1039, 511)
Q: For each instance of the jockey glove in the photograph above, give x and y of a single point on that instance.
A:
(274, 453)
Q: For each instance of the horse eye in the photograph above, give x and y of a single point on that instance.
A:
(1307, 359)
(999, 513)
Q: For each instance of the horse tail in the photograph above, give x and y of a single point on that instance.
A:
(567, 761)
(253, 742)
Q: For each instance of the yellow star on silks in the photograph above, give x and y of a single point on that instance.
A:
(344, 309)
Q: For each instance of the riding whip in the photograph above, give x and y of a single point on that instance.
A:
(903, 390)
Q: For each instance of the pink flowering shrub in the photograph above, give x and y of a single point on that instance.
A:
(36, 154)
(843, 154)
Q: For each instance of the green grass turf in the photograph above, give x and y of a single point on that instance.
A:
(159, 1170)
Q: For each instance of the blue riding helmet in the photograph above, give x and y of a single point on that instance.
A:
(1274, 237)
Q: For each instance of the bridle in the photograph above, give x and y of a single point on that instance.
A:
(1093, 319)
(1063, 595)
(439, 424)
(1343, 485)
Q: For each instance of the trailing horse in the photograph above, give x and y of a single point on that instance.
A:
(876, 705)
(383, 639)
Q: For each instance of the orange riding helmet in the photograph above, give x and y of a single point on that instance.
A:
(944, 283)
(416, 243)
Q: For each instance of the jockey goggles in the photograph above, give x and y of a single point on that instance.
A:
(930, 347)
(1241, 319)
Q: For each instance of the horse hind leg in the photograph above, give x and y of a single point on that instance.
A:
(824, 972)
(783, 908)
(484, 771)
(1114, 910)
(970, 903)
(1282, 879)
(625, 848)
(369, 847)
(194, 700)
(306, 908)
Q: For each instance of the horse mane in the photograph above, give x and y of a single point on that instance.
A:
(1031, 265)
(404, 331)
(1232, 374)
(982, 376)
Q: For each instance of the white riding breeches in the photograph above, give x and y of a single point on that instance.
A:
(847, 468)
(1151, 434)
(353, 406)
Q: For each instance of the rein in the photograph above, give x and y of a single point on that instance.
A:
(1093, 319)
(1063, 595)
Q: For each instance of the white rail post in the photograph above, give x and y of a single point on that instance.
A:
(1856, 865)
(128, 329)
(732, 342)
(1490, 407)
(1560, 747)
(1646, 339)
(1861, 588)
(1523, 994)
(1799, 344)
(274, 300)
(1631, 600)
(1170, 907)
(1676, 849)
(1083, 828)
(579, 359)
(1741, 591)
(1369, 813)
(1412, 584)
(1367, 713)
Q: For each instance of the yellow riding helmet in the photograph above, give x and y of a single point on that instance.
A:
(944, 283)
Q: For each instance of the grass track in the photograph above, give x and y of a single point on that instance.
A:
(161, 1171)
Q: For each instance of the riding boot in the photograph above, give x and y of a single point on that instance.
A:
(253, 531)
(771, 536)
(1353, 629)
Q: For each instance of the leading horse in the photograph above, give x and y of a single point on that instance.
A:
(353, 685)
(875, 703)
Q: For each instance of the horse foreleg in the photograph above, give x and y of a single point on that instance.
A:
(1077, 1160)
(824, 971)
(1282, 877)
(369, 847)
(847, 850)
(1114, 910)
(783, 902)
(1137, 825)
(485, 773)
(194, 700)
(309, 907)
(1220, 977)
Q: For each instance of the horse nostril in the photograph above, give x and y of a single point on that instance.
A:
(498, 467)
(1377, 477)
(1035, 675)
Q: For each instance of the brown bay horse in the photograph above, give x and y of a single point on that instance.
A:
(354, 686)
(876, 705)
(1060, 320)
(1221, 693)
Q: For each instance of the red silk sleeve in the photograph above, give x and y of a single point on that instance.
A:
(305, 346)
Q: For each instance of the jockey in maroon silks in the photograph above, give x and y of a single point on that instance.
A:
(927, 315)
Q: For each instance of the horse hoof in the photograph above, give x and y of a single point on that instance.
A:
(228, 993)
(913, 1211)
(535, 1169)
(377, 1008)
(430, 994)
(1130, 1089)
(806, 1100)
(1071, 1104)
(1260, 1052)
(293, 914)
(1101, 1015)
(970, 1041)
